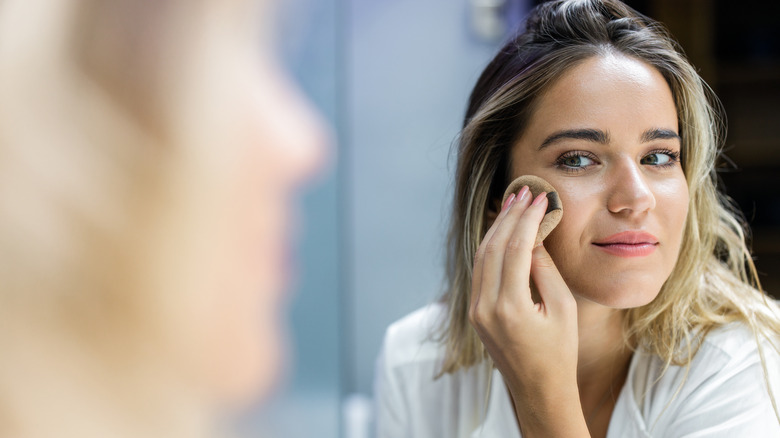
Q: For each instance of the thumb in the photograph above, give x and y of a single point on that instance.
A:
(552, 289)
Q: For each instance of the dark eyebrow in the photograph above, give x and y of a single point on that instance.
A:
(659, 134)
(593, 135)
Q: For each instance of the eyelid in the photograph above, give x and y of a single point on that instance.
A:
(577, 152)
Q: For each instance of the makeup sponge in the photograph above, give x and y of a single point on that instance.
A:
(554, 207)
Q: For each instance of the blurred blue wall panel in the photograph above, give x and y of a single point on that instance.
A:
(411, 67)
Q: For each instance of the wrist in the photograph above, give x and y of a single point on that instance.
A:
(549, 412)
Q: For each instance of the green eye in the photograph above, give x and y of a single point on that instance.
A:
(657, 159)
(576, 161)
(650, 159)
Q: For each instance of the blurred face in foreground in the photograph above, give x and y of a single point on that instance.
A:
(151, 153)
(266, 142)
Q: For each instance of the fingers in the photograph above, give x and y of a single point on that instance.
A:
(495, 249)
(552, 288)
(488, 261)
(476, 275)
(515, 276)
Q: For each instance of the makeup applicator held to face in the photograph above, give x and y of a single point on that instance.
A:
(536, 186)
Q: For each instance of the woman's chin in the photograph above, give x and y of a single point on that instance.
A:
(618, 298)
(252, 376)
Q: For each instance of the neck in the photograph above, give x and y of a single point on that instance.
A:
(603, 356)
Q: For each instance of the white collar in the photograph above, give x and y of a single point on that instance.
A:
(500, 420)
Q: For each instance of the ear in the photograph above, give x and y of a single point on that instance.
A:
(494, 208)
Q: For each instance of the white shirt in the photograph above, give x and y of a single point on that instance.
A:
(723, 394)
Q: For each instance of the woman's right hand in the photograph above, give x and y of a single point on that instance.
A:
(534, 345)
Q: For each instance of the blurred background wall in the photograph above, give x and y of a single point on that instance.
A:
(393, 77)
(411, 67)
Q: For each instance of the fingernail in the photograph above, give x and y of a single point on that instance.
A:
(542, 196)
(523, 193)
(509, 201)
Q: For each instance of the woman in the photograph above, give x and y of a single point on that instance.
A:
(640, 314)
(148, 156)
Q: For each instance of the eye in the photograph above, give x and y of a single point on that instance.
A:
(575, 160)
(660, 158)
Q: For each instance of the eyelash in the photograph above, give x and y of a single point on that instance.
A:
(559, 162)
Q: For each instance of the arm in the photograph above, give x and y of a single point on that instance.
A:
(534, 345)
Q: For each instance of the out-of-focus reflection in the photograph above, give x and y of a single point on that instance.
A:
(149, 152)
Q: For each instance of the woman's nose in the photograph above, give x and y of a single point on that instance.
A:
(630, 193)
(299, 136)
(307, 139)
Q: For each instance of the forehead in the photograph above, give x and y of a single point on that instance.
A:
(614, 93)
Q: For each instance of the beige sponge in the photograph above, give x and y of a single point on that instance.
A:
(554, 207)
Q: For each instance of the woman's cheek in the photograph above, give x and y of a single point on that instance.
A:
(563, 243)
(569, 242)
(243, 318)
(673, 205)
(578, 206)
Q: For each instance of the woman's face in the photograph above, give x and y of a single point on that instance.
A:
(268, 141)
(606, 136)
(282, 144)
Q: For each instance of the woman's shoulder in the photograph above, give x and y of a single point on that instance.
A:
(724, 385)
(412, 399)
(735, 340)
(734, 349)
(730, 347)
(413, 338)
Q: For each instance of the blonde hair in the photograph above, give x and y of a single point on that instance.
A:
(104, 109)
(714, 281)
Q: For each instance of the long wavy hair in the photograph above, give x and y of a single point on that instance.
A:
(714, 281)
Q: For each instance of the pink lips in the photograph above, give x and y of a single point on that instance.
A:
(629, 244)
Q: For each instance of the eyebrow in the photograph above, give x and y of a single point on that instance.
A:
(658, 134)
(593, 135)
(598, 136)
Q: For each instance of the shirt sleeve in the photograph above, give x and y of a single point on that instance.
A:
(732, 400)
(390, 409)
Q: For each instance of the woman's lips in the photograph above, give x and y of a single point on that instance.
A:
(628, 244)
